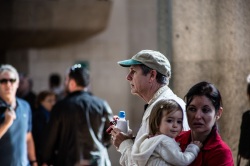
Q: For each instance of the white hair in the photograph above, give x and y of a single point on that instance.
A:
(9, 68)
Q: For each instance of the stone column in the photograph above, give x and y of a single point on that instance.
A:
(211, 42)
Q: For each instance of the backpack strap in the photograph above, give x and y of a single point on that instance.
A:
(104, 158)
(238, 159)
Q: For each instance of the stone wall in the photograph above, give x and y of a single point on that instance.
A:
(211, 41)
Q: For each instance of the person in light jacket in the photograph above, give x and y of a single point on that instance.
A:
(159, 146)
(149, 75)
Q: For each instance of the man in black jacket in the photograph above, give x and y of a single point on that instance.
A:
(75, 134)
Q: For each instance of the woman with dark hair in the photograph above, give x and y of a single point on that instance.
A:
(204, 108)
(45, 102)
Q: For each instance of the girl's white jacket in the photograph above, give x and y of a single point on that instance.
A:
(162, 150)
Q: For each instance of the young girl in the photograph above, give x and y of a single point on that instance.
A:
(159, 146)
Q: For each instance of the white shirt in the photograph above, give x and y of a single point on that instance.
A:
(163, 93)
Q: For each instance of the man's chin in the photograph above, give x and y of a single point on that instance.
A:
(133, 92)
(8, 96)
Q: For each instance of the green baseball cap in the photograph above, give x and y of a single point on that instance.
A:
(153, 59)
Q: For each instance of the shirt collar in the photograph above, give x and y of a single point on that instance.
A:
(158, 93)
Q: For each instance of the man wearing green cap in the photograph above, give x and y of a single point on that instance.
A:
(149, 74)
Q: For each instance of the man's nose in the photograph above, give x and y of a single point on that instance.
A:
(129, 77)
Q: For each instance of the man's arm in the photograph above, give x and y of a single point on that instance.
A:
(31, 149)
(126, 150)
(123, 144)
(9, 117)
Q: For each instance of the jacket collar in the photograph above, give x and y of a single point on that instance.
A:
(212, 141)
(158, 93)
(78, 92)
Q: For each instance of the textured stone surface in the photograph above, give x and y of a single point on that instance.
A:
(34, 24)
(211, 41)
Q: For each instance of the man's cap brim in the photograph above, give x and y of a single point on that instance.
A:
(129, 62)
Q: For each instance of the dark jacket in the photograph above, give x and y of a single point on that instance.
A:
(40, 119)
(76, 131)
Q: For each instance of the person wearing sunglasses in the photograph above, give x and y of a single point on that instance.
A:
(76, 132)
(16, 145)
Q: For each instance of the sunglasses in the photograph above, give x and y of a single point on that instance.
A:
(5, 81)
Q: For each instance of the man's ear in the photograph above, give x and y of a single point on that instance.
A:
(72, 84)
(153, 74)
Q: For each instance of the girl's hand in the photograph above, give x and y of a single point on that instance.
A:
(198, 143)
